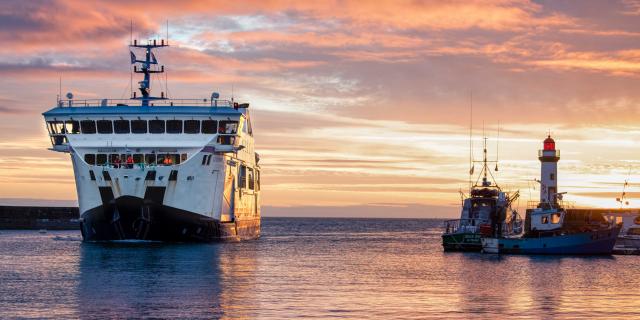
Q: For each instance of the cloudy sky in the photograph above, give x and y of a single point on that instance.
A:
(361, 108)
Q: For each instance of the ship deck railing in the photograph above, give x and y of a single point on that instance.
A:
(461, 225)
(560, 204)
(152, 103)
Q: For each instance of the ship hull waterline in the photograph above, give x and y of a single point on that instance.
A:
(131, 218)
(462, 242)
(599, 242)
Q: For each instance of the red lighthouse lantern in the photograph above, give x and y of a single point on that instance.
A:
(549, 144)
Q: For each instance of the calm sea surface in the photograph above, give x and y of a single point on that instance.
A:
(313, 268)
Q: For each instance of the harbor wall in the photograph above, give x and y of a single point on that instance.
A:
(30, 217)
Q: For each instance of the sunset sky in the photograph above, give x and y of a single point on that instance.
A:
(360, 108)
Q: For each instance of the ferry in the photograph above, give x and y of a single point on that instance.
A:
(552, 229)
(486, 212)
(159, 168)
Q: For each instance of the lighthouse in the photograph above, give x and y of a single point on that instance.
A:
(549, 157)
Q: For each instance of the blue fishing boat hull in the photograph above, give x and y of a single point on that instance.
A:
(599, 242)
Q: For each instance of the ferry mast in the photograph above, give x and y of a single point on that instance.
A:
(146, 69)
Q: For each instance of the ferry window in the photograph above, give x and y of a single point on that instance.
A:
(59, 127)
(72, 127)
(175, 158)
(150, 158)
(250, 178)
(544, 219)
(160, 159)
(242, 176)
(52, 127)
(555, 218)
(90, 158)
(138, 158)
(204, 159)
(156, 126)
(101, 159)
(227, 140)
(633, 231)
(183, 157)
(138, 126)
(258, 180)
(209, 126)
(104, 126)
(192, 126)
(121, 126)
(115, 159)
(88, 126)
(174, 126)
(228, 127)
(552, 176)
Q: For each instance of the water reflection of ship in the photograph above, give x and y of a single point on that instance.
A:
(135, 280)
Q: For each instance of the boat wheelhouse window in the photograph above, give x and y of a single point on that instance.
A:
(183, 157)
(544, 219)
(250, 178)
(150, 158)
(121, 126)
(242, 176)
(88, 126)
(192, 126)
(226, 140)
(90, 158)
(101, 159)
(156, 126)
(72, 126)
(174, 126)
(209, 126)
(138, 158)
(138, 126)
(104, 126)
(555, 218)
(228, 127)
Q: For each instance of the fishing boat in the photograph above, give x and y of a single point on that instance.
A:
(550, 228)
(628, 241)
(486, 211)
(159, 168)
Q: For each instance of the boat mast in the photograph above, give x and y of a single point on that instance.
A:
(146, 69)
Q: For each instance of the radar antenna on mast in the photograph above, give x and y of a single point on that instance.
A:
(147, 67)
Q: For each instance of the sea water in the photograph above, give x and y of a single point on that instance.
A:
(303, 267)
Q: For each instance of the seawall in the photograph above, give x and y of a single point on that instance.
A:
(30, 217)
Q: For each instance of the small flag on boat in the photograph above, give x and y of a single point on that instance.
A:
(133, 57)
(153, 59)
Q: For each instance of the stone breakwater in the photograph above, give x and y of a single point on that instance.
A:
(29, 217)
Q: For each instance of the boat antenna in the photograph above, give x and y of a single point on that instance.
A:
(59, 89)
(497, 146)
(471, 140)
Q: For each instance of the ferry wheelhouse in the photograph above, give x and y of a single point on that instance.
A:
(155, 168)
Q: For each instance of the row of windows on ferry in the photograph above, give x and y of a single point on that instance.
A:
(145, 126)
(118, 160)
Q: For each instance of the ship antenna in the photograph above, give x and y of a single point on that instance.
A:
(470, 140)
(498, 146)
(146, 69)
(59, 89)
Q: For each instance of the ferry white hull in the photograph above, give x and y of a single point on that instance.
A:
(182, 203)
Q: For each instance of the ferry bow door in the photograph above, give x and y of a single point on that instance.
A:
(228, 197)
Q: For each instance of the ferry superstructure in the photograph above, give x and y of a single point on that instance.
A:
(155, 168)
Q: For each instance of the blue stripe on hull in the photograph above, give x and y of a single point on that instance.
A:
(584, 243)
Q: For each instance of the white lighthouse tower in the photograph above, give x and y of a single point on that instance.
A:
(549, 157)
